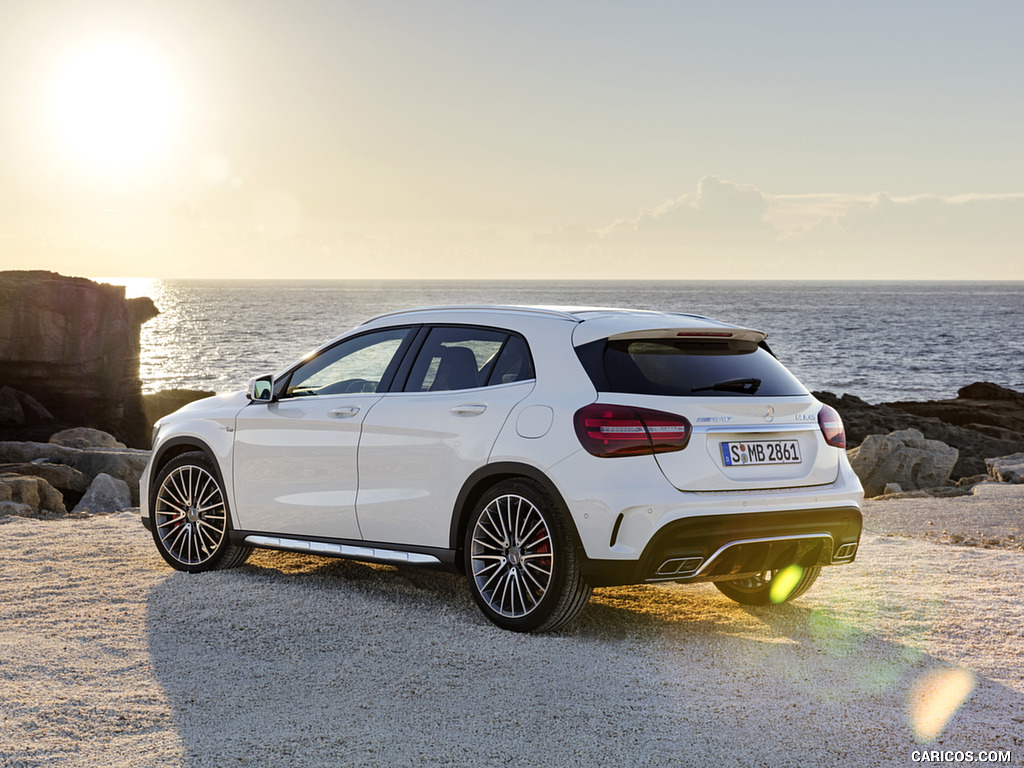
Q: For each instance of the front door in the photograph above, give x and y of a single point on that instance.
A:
(295, 458)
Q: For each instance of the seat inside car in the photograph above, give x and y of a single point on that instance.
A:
(456, 370)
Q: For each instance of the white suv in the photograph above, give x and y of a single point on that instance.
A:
(540, 451)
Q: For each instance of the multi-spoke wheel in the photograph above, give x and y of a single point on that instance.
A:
(190, 516)
(769, 587)
(521, 560)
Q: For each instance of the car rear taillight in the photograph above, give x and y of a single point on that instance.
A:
(832, 428)
(621, 430)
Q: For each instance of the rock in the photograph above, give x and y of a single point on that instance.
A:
(106, 494)
(126, 465)
(18, 409)
(892, 488)
(905, 458)
(84, 437)
(123, 463)
(16, 509)
(1007, 469)
(968, 482)
(862, 419)
(64, 478)
(159, 404)
(978, 403)
(984, 390)
(36, 493)
(73, 344)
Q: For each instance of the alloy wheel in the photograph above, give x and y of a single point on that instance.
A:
(511, 556)
(190, 515)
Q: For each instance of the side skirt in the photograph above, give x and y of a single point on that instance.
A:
(373, 552)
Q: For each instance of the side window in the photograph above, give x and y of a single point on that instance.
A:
(513, 364)
(455, 358)
(354, 365)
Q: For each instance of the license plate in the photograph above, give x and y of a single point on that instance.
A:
(758, 452)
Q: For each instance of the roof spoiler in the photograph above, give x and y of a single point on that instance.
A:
(723, 333)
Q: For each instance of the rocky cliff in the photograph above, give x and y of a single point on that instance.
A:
(72, 345)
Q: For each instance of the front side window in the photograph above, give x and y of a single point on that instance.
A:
(466, 358)
(362, 364)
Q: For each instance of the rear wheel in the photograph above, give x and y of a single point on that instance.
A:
(521, 561)
(191, 523)
(769, 587)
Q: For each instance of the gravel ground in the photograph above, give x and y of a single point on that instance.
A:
(110, 658)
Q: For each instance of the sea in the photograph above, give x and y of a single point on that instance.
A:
(881, 341)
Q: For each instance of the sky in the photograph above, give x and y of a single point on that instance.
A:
(530, 140)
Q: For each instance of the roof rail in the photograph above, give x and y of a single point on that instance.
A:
(549, 311)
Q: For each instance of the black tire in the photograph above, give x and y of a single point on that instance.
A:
(191, 519)
(521, 559)
(757, 589)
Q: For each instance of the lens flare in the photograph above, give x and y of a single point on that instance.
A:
(784, 583)
(935, 698)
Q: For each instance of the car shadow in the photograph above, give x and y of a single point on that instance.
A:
(297, 660)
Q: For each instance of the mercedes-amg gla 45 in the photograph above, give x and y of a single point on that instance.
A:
(540, 451)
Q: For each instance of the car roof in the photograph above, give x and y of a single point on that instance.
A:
(594, 323)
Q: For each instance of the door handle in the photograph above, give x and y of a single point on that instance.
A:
(469, 409)
(344, 412)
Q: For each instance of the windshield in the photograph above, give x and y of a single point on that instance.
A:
(687, 367)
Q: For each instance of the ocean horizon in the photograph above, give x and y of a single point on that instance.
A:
(879, 340)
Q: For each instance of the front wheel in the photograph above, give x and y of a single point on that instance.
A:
(769, 587)
(521, 560)
(191, 524)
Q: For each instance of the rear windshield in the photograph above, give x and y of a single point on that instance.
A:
(709, 368)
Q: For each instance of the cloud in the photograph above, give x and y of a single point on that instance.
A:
(721, 209)
(721, 230)
(731, 230)
(924, 237)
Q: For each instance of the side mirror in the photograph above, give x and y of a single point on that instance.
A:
(260, 389)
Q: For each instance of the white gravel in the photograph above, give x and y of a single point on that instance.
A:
(110, 658)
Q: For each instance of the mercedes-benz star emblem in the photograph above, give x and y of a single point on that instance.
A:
(768, 414)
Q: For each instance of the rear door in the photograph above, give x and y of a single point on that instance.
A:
(420, 444)
(754, 425)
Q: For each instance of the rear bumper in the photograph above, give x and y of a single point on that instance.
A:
(733, 546)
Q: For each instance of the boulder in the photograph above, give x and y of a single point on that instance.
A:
(16, 509)
(63, 477)
(34, 492)
(15, 452)
(862, 419)
(85, 437)
(106, 494)
(905, 458)
(1007, 469)
(73, 344)
(18, 409)
(123, 463)
(126, 465)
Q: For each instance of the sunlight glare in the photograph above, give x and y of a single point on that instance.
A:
(114, 105)
(935, 698)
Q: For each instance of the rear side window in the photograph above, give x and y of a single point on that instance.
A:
(687, 367)
(465, 358)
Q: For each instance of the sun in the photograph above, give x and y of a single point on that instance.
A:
(115, 106)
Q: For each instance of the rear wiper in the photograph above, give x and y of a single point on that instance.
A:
(743, 386)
